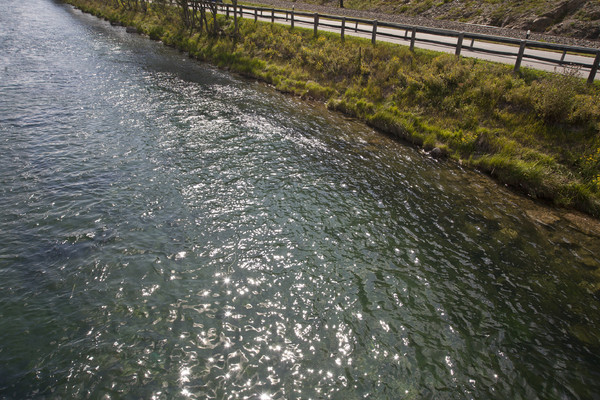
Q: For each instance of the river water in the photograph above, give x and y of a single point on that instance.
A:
(169, 230)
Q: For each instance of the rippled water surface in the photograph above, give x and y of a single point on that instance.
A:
(171, 231)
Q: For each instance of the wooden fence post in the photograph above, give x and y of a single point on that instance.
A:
(412, 38)
(374, 36)
(343, 28)
(520, 56)
(272, 15)
(292, 17)
(459, 43)
(316, 23)
(227, 10)
(255, 14)
(594, 69)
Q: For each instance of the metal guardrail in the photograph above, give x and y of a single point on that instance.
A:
(409, 33)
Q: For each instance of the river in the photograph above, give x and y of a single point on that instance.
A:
(170, 230)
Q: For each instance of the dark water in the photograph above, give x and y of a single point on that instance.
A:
(171, 231)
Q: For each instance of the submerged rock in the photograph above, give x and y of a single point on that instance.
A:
(585, 335)
(436, 152)
(509, 233)
(584, 224)
(542, 216)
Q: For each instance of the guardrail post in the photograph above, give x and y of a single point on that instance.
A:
(459, 43)
(316, 23)
(227, 10)
(292, 17)
(413, 38)
(562, 58)
(272, 15)
(594, 69)
(520, 56)
(255, 14)
(374, 36)
(343, 28)
(241, 12)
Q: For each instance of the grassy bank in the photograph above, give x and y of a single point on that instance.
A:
(537, 132)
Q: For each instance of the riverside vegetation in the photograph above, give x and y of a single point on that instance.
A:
(534, 131)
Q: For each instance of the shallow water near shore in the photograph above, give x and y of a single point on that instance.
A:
(172, 231)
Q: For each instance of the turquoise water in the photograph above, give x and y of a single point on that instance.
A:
(169, 230)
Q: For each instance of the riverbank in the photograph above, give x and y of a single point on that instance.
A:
(537, 132)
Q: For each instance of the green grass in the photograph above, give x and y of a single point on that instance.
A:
(537, 132)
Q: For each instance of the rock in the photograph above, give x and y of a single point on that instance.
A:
(131, 29)
(588, 262)
(555, 15)
(436, 153)
(508, 233)
(588, 30)
(540, 24)
(585, 334)
(543, 217)
(586, 225)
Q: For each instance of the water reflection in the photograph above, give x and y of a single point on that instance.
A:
(174, 232)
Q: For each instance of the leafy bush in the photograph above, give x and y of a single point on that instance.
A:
(586, 110)
(554, 97)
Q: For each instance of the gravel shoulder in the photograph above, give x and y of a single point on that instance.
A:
(432, 23)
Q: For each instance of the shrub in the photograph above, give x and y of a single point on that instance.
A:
(586, 109)
(554, 97)
(156, 32)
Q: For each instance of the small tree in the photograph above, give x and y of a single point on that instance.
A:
(185, 12)
(214, 9)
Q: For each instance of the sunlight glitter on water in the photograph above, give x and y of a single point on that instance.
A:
(172, 231)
